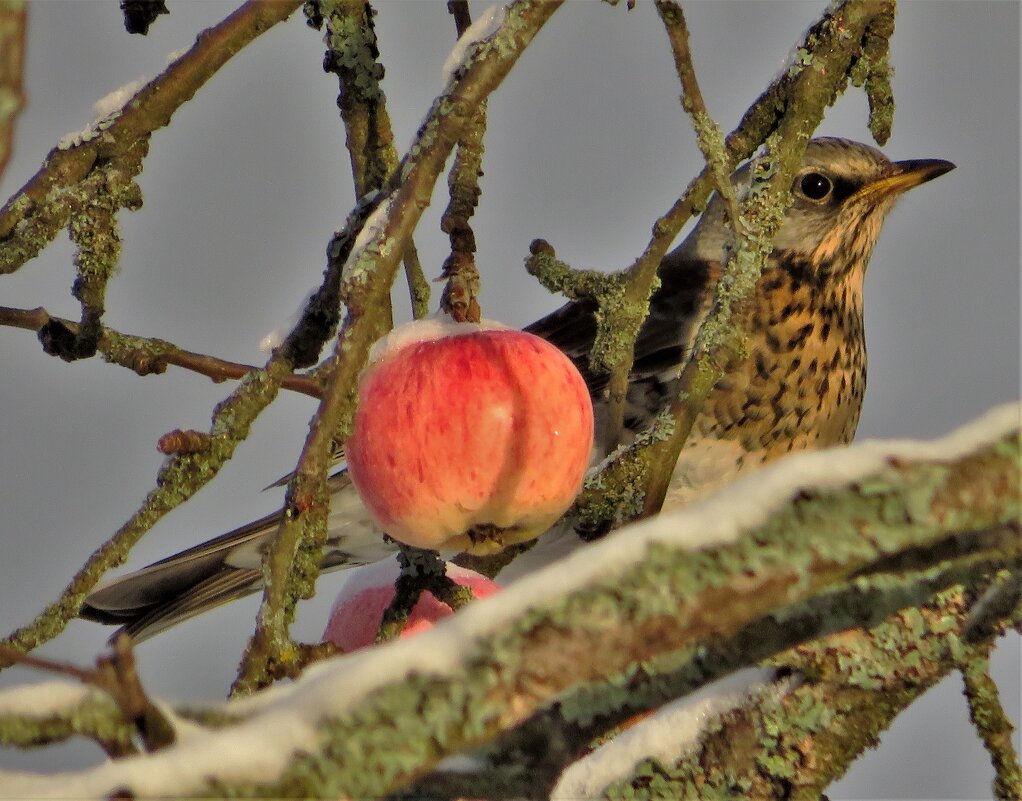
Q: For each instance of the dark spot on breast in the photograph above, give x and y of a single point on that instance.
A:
(793, 307)
(753, 411)
(801, 335)
(825, 332)
(761, 365)
(777, 405)
(772, 340)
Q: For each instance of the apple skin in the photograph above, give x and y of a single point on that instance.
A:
(469, 437)
(358, 609)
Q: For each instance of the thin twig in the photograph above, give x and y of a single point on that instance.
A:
(148, 356)
(353, 56)
(460, 298)
(987, 714)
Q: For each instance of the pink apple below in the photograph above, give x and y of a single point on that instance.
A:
(358, 610)
(468, 437)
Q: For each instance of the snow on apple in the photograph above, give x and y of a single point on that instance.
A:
(469, 437)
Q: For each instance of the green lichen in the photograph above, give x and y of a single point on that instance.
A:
(618, 314)
(352, 50)
(95, 716)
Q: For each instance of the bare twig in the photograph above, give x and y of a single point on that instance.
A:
(147, 356)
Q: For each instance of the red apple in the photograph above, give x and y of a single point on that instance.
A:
(469, 437)
(358, 610)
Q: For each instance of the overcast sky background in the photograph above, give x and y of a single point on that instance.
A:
(586, 146)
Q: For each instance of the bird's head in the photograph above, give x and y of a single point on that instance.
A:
(841, 195)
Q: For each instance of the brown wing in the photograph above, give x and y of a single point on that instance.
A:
(225, 568)
(665, 340)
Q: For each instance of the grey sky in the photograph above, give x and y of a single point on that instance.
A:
(586, 146)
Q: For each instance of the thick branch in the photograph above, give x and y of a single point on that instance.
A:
(791, 742)
(656, 594)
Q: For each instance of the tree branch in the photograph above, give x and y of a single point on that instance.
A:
(368, 273)
(150, 356)
(659, 594)
(992, 725)
(41, 208)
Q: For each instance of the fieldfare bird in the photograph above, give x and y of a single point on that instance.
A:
(799, 387)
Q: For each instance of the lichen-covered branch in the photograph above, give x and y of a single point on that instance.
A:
(659, 594)
(743, 745)
(786, 108)
(94, 231)
(353, 56)
(180, 478)
(792, 739)
(791, 108)
(147, 356)
(368, 272)
(291, 564)
(34, 215)
(461, 292)
(52, 712)
(991, 723)
(460, 295)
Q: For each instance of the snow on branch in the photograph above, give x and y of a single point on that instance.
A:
(369, 723)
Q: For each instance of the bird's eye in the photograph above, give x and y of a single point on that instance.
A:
(815, 186)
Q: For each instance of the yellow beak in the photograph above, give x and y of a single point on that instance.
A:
(905, 175)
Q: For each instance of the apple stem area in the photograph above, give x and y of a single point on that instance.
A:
(422, 571)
